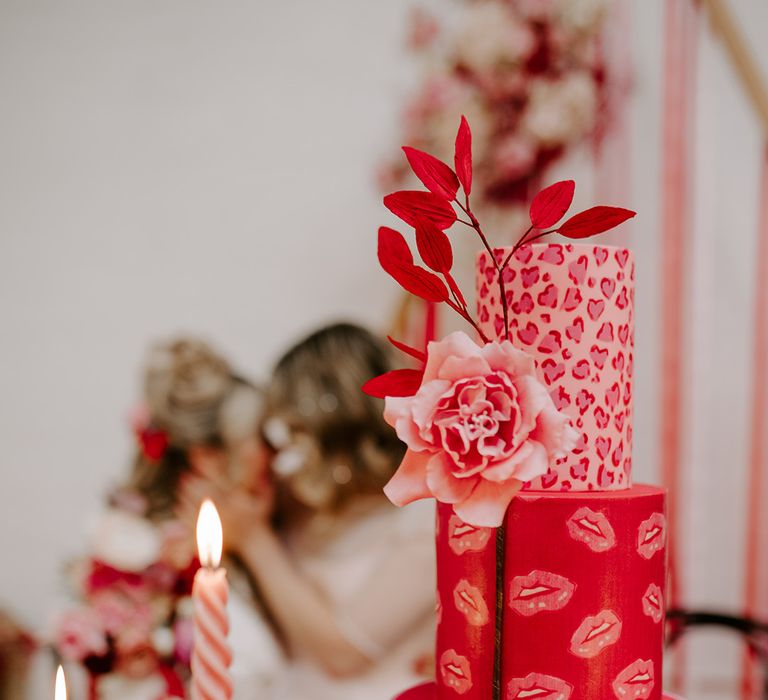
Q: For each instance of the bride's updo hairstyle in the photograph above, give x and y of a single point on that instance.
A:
(192, 398)
(330, 439)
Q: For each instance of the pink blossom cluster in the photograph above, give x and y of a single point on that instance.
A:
(527, 74)
(132, 617)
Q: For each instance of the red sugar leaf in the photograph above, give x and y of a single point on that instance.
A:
(550, 205)
(393, 249)
(434, 246)
(409, 205)
(408, 350)
(437, 177)
(593, 221)
(398, 382)
(420, 282)
(463, 155)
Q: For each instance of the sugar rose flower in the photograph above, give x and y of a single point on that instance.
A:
(480, 425)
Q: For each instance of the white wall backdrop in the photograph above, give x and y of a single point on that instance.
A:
(208, 167)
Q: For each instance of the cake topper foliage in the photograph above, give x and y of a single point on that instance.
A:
(433, 212)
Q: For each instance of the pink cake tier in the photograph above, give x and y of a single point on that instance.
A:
(571, 307)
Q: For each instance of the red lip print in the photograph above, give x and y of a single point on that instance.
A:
(548, 297)
(653, 603)
(601, 255)
(539, 591)
(606, 332)
(553, 254)
(455, 671)
(598, 355)
(635, 682)
(575, 330)
(621, 257)
(552, 370)
(551, 343)
(581, 370)
(578, 269)
(651, 535)
(529, 276)
(592, 528)
(572, 299)
(528, 334)
(538, 686)
(607, 287)
(595, 308)
(466, 538)
(596, 633)
(469, 601)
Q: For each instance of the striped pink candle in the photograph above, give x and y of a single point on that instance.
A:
(211, 655)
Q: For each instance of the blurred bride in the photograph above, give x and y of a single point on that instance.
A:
(347, 578)
(131, 629)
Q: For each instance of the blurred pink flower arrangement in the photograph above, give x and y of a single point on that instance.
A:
(132, 619)
(529, 76)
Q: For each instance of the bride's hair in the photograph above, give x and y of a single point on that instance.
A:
(331, 440)
(192, 397)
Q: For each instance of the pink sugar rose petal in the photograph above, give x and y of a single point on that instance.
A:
(527, 463)
(505, 356)
(457, 368)
(507, 468)
(555, 432)
(456, 344)
(533, 398)
(422, 407)
(445, 487)
(409, 482)
(488, 502)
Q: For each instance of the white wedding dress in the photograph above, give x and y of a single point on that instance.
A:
(378, 568)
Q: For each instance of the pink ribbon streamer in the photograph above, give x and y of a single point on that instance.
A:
(681, 33)
(756, 561)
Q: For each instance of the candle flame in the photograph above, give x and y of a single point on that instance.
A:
(61, 685)
(209, 535)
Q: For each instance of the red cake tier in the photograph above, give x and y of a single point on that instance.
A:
(571, 307)
(428, 691)
(582, 598)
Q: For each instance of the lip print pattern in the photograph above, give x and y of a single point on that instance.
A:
(537, 686)
(572, 309)
(466, 538)
(653, 603)
(455, 671)
(539, 591)
(635, 682)
(651, 535)
(469, 602)
(596, 633)
(593, 529)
